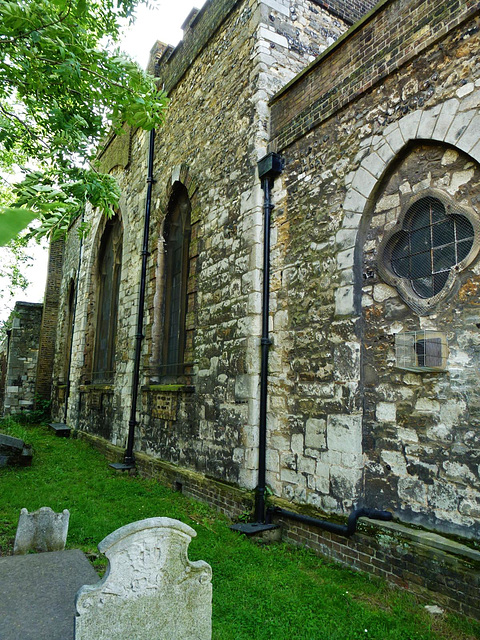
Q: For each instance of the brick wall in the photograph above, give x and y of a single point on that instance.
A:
(396, 32)
(46, 349)
(348, 10)
(436, 569)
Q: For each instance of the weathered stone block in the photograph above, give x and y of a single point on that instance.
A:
(344, 301)
(344, 433)
(386, 412)
(409, 125)
(316, 433)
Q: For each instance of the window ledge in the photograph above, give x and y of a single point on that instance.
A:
(179, 388)
(97, 387)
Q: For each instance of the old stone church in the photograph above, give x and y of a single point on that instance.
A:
(353, 128)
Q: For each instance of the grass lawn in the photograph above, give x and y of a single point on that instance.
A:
(259, 592)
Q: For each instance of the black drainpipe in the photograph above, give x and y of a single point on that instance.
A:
(129, 459)
(339, 529)
(269, 167)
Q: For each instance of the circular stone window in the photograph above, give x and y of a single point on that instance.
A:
(433, 241)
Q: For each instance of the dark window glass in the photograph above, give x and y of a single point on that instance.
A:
(430, 244)
(69, 329)
(109, 269)
(177, 243)
(463, 249)
(429, 352)
(444, 258)
(420, 240)
(443, 232)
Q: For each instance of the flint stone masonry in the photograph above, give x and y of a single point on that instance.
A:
(42, 530)
(347, 178)
(225, 69)
(151, 590)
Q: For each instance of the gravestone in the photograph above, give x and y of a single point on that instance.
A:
(151, 590)
(14, 451)
(42, 530)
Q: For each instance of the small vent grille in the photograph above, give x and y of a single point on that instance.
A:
(424, 350)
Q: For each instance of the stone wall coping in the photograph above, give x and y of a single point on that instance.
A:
(430, 539)
(339, 42)
(149, 523)
(23, 303)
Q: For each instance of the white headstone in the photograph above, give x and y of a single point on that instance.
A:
(42, 530)
(151, 590)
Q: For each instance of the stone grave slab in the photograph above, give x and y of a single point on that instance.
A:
(37, 594)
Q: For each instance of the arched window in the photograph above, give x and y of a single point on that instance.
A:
(433, 241)
(109, 269)
(177, 243)
(429, 245)
(69, 329)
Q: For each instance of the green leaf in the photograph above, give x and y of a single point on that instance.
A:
(81, 7)
(12, 221)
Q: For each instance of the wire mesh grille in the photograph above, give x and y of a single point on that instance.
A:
(430, 245)
(424, 350)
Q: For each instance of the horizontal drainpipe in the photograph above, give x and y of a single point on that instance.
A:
(345, 530)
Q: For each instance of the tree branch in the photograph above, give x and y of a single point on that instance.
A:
(111, 83)
(13, 116)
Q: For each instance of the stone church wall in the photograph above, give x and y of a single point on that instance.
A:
(398, 120)
(234, 56)
(19, 353)
(387, 114)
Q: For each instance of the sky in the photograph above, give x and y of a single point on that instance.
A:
(160, 23)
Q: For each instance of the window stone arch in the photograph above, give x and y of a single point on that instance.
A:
(454, 123)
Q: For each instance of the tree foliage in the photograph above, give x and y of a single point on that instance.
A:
(63, 86)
